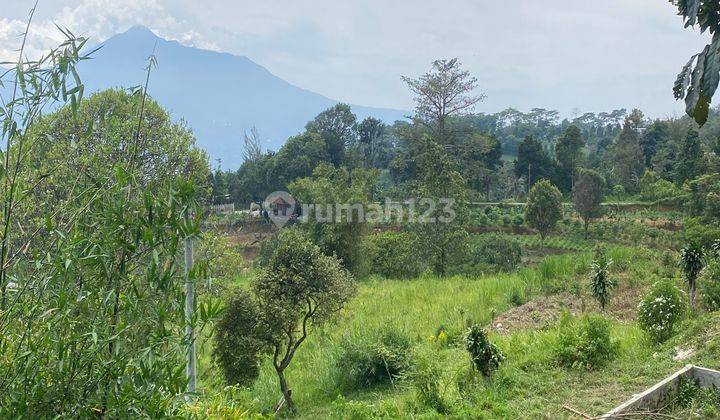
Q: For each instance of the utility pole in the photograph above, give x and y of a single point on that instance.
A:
(190, 368)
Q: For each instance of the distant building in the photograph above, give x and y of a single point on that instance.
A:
(280, 207)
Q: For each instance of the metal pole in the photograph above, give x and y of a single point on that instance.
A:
(190, 368)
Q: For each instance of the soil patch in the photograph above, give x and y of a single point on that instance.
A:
(544, 311)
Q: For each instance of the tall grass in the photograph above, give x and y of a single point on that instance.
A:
(529, 384)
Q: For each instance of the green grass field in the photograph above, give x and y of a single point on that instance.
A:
(529, 385)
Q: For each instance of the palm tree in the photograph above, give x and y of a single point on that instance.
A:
(691, 263)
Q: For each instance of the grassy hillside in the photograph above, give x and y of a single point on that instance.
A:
(529, 385)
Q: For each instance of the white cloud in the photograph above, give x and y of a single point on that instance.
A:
(594, 55)
(97, 20)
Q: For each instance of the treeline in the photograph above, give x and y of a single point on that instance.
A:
(500, 155)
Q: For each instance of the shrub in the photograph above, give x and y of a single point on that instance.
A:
(366, 362)
(660, 310)
(710, 285)
(393, 255)
(585, 343)
(236, 347)
(486, 356)
(700, 231)
(544, 208)
(692, 261)
(491, 253)
(427, 379)
(602, 283)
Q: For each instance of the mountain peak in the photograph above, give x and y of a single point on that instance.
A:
(139, 32)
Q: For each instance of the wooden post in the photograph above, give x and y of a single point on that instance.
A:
(190, 368)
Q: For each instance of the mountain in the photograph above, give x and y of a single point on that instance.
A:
(220, 95)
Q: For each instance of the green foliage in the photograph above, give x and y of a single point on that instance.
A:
(236, 346)
(446, 91)
(600, 280)
(588, 195)
(568, 152)
(338, 232)
(533, 162)
(297, 288)
(544, 207)
(690, 162)
(692, 400)
(698, 231)
(222, 258)
(660, 310)
(627, 157)
(427, 380)
(491, 253)
(337, 126)
(654, 189)
(298, 158)
(705, 198)
(585, 343)
(442, 230)
(375, 359)
(698, 85)
(692, 261)
(486, 356)
(393, 255)
(66, 149)
(91, 325)
(709, 281)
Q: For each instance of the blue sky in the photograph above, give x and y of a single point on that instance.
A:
(571, 55)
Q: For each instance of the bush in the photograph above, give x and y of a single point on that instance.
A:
(393, 255)
(427, 379)
(585, 343)
(491, 253)
(486, 356)
(661, 309)
(366, 362)
(701, 232)
(710, 285)
(236, 347)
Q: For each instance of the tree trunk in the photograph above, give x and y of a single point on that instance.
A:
(691, 287)
(287, 392)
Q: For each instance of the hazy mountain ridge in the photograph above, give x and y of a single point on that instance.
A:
(219, 95)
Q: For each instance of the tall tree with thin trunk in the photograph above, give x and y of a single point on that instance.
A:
(443, 92)
(299, 288)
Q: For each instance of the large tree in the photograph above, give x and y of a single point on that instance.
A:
(689, 164)
(442, 93)
(337, 126)
(628, 159)
(568, 152)
(298, 158)
(370, 136)
(480, 159)
(653, 138)
(533, 162)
